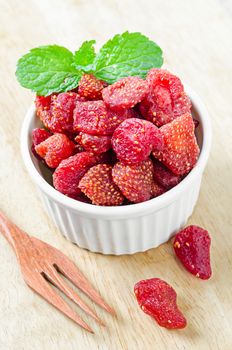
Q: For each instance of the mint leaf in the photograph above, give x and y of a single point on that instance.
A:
(127, 54)
(48, 69)
(54, 68)
(84, 57)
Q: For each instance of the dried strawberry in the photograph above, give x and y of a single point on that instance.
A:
(134, 139)
(69, 172)
(157, 189)
(166, 99)
(164, 176)
(94, 118)
(38, 136)
(192, 247)
(54, 149)
(134, 181)
(94, 143)
(56, 111)
(125, 93)
(158, 299)
(43, 105)
(62, 107)
(181, 151)
(90, 87)
(97, 184)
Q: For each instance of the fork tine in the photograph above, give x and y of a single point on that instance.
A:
(52, 275)
(42, 287)
(67, 268)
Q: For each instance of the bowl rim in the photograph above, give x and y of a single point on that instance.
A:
(125, 211)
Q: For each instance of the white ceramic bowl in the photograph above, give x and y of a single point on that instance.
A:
(124, 229)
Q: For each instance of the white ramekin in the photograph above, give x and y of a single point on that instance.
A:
(125, 229)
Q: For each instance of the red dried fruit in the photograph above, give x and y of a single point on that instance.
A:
(69, 172)
(134, 181)
(164, 176)
(39, 135)
(94, 143)
(125, 93)
(158, 299)
(94, 118)
(166, 99)
(180, 151)
(134, 139)
(157, 189)
(54, 149)
(43, 105)
(192, 247)
(98, 185)
(56, 111)
(90, 87)
(62, 107)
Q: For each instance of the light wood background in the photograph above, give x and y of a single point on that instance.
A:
(196, 40)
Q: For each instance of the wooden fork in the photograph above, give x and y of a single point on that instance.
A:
(41, 263)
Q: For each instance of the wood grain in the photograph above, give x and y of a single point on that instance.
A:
(196, 40)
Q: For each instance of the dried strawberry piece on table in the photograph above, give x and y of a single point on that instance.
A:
(94, 143)
(166, 99)
(70, 171)
(125, 93)
(54, 149)
(164, 176)
(192, 247)
(180, 151)
(98, 185)
(134, 181)
(134, 139)
(158, 299)
(90, 87)
(94, 118)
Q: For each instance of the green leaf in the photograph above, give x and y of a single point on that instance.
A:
(84, 57)
(127, 54)
(48, 69)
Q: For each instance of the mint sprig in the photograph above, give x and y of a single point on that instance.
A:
(53, 68)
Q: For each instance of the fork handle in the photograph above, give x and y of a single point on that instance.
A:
(14, 235)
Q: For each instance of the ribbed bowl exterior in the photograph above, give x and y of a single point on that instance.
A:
(125, 229)
(123, 236)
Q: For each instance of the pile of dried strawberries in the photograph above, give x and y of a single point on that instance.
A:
(117, 144)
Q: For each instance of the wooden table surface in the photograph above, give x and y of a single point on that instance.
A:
(196, 40)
